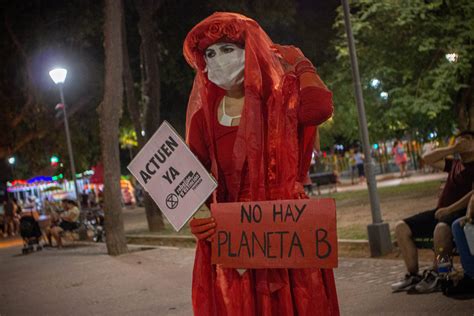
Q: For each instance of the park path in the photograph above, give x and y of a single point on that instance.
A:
(83, 280)
(390, 180)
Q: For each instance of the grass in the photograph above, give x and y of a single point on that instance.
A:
(411, 190)
(352, 232)
(345, 201)
(349, 228)
(355, 232)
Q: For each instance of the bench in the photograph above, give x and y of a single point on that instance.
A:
(322, 179)
(427, 243)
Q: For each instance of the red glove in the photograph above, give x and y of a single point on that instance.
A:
(290, 53)
(295, 58)
(203, 228)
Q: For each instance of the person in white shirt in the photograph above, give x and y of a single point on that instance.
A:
(69, 221)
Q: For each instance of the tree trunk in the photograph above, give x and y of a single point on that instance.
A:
(470, 106)
(110, 112)
(465, 106)
(152, 93)
(132, 101)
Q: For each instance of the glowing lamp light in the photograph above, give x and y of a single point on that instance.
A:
(143, 133)
(384, 95)
(54, 161)
(376, 146)
(11, 160)
(58, 75)
(375, 83)
(452, 57)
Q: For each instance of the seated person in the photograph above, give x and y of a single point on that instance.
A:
(69, 221)
(466, 284)
(436, 223)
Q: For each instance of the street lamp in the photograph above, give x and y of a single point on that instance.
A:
(59, 76)
(375, 83)
(452, 57)
(378, 231)
(12, 161)
(384, 95)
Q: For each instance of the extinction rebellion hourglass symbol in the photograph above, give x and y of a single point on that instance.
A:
(172, 201)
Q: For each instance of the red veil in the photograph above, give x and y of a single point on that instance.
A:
(276, 149)
(277, 152)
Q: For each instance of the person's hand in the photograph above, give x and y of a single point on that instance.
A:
(442, 212)
(203, 228)
(291, 54)
(470, 210)
(464, 145)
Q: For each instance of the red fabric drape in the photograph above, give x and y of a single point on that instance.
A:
(274, 151)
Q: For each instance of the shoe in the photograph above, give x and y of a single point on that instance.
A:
(430, 283)
(406, 283)
(464, 286)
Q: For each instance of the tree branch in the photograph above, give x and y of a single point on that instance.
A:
(29, 91)
(132, 102)
(32, 135)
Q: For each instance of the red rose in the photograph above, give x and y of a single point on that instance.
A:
(231, 31)
(214, 31)
(196, 39)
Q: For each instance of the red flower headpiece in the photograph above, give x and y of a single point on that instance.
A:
(219, 27)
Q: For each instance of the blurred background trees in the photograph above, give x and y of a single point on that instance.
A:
(416, 62)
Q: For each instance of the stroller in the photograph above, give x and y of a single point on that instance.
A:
(30, 231)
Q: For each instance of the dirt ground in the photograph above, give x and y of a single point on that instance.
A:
(353, 209)
(353, 219)
(353, 215)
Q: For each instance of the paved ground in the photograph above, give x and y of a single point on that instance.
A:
(83, 280)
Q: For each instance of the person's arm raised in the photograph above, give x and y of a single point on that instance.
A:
(316, 104)
(435, 158)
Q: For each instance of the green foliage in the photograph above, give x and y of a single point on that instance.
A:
(404, 45)
(128, 137)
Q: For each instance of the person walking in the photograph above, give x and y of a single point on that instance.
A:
(359, 163)
(400, 157)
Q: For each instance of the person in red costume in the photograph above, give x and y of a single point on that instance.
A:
(251, 120)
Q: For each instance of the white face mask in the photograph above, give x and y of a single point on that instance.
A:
(225, 65)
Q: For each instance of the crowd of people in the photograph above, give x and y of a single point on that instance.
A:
(391, 157)
(54, 219)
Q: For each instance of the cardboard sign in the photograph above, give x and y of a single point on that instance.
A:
(172, 175)
(275, 234)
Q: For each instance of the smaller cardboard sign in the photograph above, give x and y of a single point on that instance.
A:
(175, 179)
(275, 234)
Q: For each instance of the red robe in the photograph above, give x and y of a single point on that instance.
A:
(223, 291)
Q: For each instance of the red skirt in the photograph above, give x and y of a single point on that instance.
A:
(260, 292)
